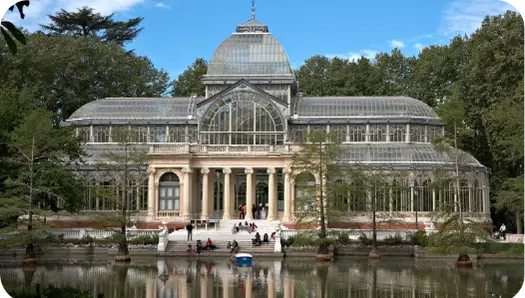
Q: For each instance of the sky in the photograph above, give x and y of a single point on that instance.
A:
(176, 32)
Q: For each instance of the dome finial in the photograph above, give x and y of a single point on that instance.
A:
(253, 9)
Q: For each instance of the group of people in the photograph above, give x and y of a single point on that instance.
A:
(257, 240)
(233, 246)
(246, 227)
(258, 212)
(199, 247)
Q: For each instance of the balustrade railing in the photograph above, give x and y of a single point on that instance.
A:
(354, 234)
(222, 149)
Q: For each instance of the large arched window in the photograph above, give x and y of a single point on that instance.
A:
(169, 192)
(244, 118)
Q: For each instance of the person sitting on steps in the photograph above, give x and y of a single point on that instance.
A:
(190, 250)
(257, 240)
(210, 245)
(199, 246)
(235, 247)
(265, 238)
(235, 229)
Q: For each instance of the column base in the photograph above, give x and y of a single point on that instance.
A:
(226, 217)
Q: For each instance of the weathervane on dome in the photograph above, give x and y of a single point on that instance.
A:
(253, 9)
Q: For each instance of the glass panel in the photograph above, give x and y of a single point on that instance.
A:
(243, 118)
(170, 204)
(417, 133)
(377, 133)
(357, 133)
(397, 132)
(100, 134)
(170, 192)
(157, 134)
(177, 204)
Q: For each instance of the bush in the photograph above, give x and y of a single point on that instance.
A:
(393, 240)
(365, 240)
(342, 238)
(304, 239)
(420, 238)
(145, 240)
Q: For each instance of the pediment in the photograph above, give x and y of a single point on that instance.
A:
(242, 86)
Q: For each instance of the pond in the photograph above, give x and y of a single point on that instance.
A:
(345, 277)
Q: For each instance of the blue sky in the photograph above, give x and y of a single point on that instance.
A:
(176, 32)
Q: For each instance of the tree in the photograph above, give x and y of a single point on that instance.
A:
(8, 28)
(126, 166)
(67, 72)
(85, 22)
(189, 82)
(42, 153)
(317, 168)
(510, 197)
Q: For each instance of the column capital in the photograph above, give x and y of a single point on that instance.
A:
(287, 170)
(187, 170)
(151, 170)
(226, 171)
(270, 171)
(205, 171)
(248, 170)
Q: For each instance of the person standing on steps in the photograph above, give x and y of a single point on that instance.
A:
(254, 211)
(189, 228)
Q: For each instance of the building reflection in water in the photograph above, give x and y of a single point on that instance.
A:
(274, 279)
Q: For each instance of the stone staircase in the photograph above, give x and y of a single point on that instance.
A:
(178, 243)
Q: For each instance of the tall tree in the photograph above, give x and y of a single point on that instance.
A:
(42, 152)
(126, 166)
(86, 22)
(189, 82)
(312, 75)
(317, 172)
(68, 72)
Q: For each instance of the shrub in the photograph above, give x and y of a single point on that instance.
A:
(145, 239)
(304, 239)
(393, 240)
(419, 238)
(365, 240)
(342, 238)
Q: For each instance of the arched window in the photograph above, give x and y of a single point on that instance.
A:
(242, 118)
(169, 192)
(261, 194)
(397, 132)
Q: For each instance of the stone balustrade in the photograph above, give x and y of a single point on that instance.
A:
(176, 149)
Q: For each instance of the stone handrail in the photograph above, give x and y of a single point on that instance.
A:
(79, 233)
(171, 149)
(163, 240)
(355, 233)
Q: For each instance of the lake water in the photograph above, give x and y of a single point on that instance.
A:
(345, 277)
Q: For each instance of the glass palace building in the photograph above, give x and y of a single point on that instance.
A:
(209, 154)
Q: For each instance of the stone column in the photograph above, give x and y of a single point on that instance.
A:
(187, 193)
(250, 199)
(205, 193)
(271, 286)
(211, 194)
(272, 194)
(151, 192)
(287, 200)
(227, 194)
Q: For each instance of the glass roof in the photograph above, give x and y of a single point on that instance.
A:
(359, 107)
(137, 108)
(406, 153)
(250, 53)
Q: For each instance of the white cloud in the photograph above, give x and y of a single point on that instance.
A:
(161, 5)
(38, 11)
(354, 56)
(397, 44)
(465, 16)
(419, 46)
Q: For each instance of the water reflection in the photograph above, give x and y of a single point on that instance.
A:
(275, 279)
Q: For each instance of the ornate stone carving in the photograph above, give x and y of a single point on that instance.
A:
(151, 170)
(270, 171)
(226, 171)
(187, 170)
(248, 171)
(287, 170)
(205, 171)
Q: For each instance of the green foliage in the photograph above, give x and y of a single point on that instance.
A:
(145, 239)
(420, 238)
(394, 240)
(341, 237)
(189, 82)
(364, 240)
(9, 31)
(85, 22)
(66, 72)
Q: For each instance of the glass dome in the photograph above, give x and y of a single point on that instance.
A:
(347, 107)
(250, 51)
